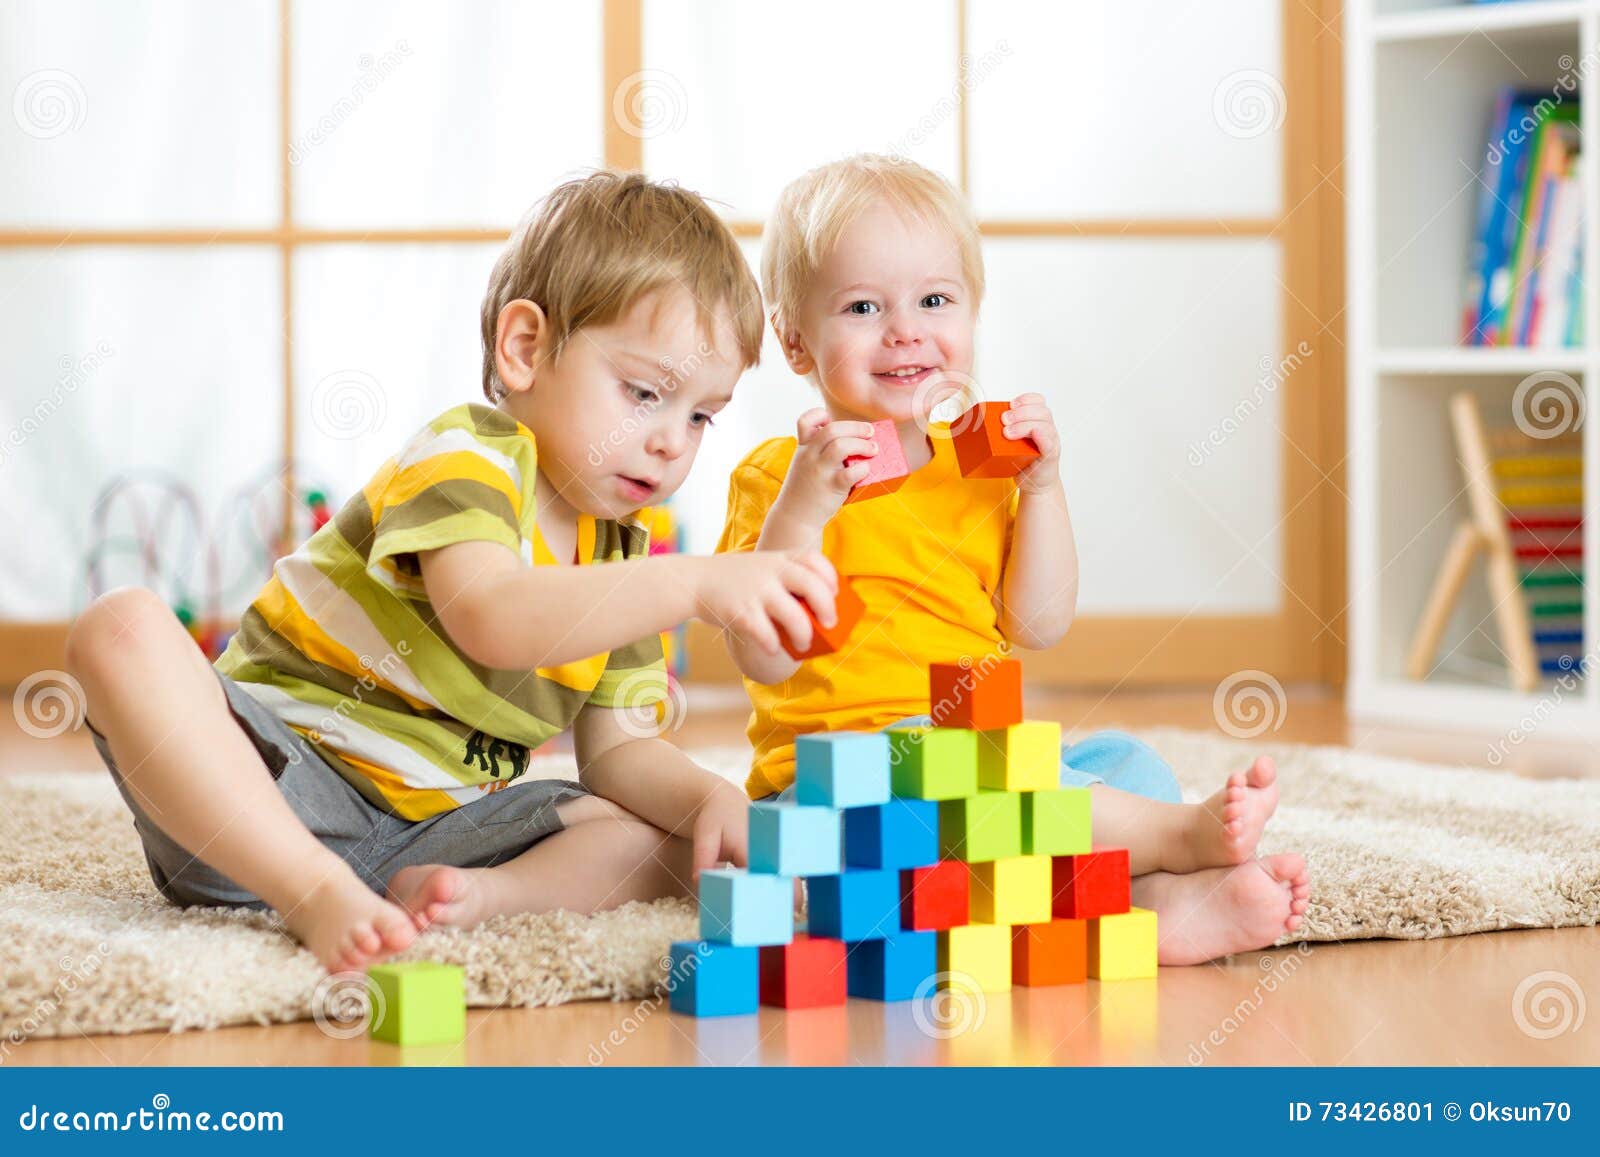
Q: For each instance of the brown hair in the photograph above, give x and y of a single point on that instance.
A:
(591, 249)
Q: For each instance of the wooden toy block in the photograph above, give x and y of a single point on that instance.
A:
(903, 833)
(1056, 823)
(1022, 757)
(712, 979)
(982, 448)
(848, 608)
(1015, 890)
(887, 470)
(748, 909)
(1053, 953)
(794, 839)
(858, 904)
(980, 698)
(932, 762)
(417, 1002)
(936, 897)
(1095, 883)
(1123, 946)
(895, 967)
(842, 769)
(985, 826)
(808, 972)
(975, 958)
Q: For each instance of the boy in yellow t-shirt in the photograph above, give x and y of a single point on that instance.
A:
(873, 273)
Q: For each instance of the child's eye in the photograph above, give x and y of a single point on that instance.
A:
(640, 394)
(862, 308)
(935, 300)
(701, 420)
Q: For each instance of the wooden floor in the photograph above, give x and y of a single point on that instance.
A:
(1362, 1003)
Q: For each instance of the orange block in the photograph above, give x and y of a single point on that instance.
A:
(826, 640)
(982, 448)
(1053, 953)
(982, 697)
(887, 470)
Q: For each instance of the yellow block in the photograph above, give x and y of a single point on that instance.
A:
(976, 958)
(1015, 890)
(1123, 947)
(1023, 757)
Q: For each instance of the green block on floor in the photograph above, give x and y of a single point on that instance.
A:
(985, 826)
(1056, 822)
(933, 762)
(418, 1002)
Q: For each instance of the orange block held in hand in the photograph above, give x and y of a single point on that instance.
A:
(848, 607)
(982, 448)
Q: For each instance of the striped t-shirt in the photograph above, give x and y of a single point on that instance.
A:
(343, 646)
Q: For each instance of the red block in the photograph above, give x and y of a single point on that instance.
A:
(825, 640)
(1053, 953)
(981, 697)
(982, 448)
(887, 469)
(936, 897)
(808, 972)
(1091, 884)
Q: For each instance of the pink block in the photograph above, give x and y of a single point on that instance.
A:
(887, 469)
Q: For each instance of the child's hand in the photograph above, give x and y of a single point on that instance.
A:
(755, 594)
(819, 481)
(1029, 417)
(722, 829)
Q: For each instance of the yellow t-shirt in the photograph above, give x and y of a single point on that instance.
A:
(925, 559)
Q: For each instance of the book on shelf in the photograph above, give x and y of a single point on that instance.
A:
(1523, 283)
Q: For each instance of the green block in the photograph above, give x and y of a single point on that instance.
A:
(933, 762)
(418, 1002)
(1056, 823)
(986, 826)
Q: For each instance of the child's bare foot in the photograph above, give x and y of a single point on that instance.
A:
(1211, 913)
(1229, 825)
(439, 894)
(347, 926)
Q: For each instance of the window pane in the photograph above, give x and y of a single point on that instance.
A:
(139, 113)
(160, 361)
(386, 337)
(1143, 108)
(1160, 361)
(421, 114)
(738, 99)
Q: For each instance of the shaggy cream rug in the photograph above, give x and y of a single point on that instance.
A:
(1396, 849)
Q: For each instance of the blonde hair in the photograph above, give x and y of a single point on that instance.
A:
(817, 207)
(592, 248)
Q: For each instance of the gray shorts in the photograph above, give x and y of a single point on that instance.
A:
(375, 843)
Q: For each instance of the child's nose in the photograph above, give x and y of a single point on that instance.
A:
(667, 442)
(902, 329)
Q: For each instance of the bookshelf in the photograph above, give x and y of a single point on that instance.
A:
(1420, 82)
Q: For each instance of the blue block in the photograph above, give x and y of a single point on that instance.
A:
(792, 840)
(713, 979)
(903, 833)
(745, 908)
(895, 967)
(842, 769)
(858, 904)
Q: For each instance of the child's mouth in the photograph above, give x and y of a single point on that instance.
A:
(635, 489)
(906, 376)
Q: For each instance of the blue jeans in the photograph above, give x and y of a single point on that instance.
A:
(1113, 758)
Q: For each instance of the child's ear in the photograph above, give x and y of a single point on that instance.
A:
(794, 350)
(521, 342)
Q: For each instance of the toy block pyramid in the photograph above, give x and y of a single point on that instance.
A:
(946, 854)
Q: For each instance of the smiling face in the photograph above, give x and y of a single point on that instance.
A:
(619, 415)
(888, 312)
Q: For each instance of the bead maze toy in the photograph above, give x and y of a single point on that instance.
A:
(1526, 520)
(982, 448)
(919, 872)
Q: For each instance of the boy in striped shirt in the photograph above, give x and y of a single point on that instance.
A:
(359, 758)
